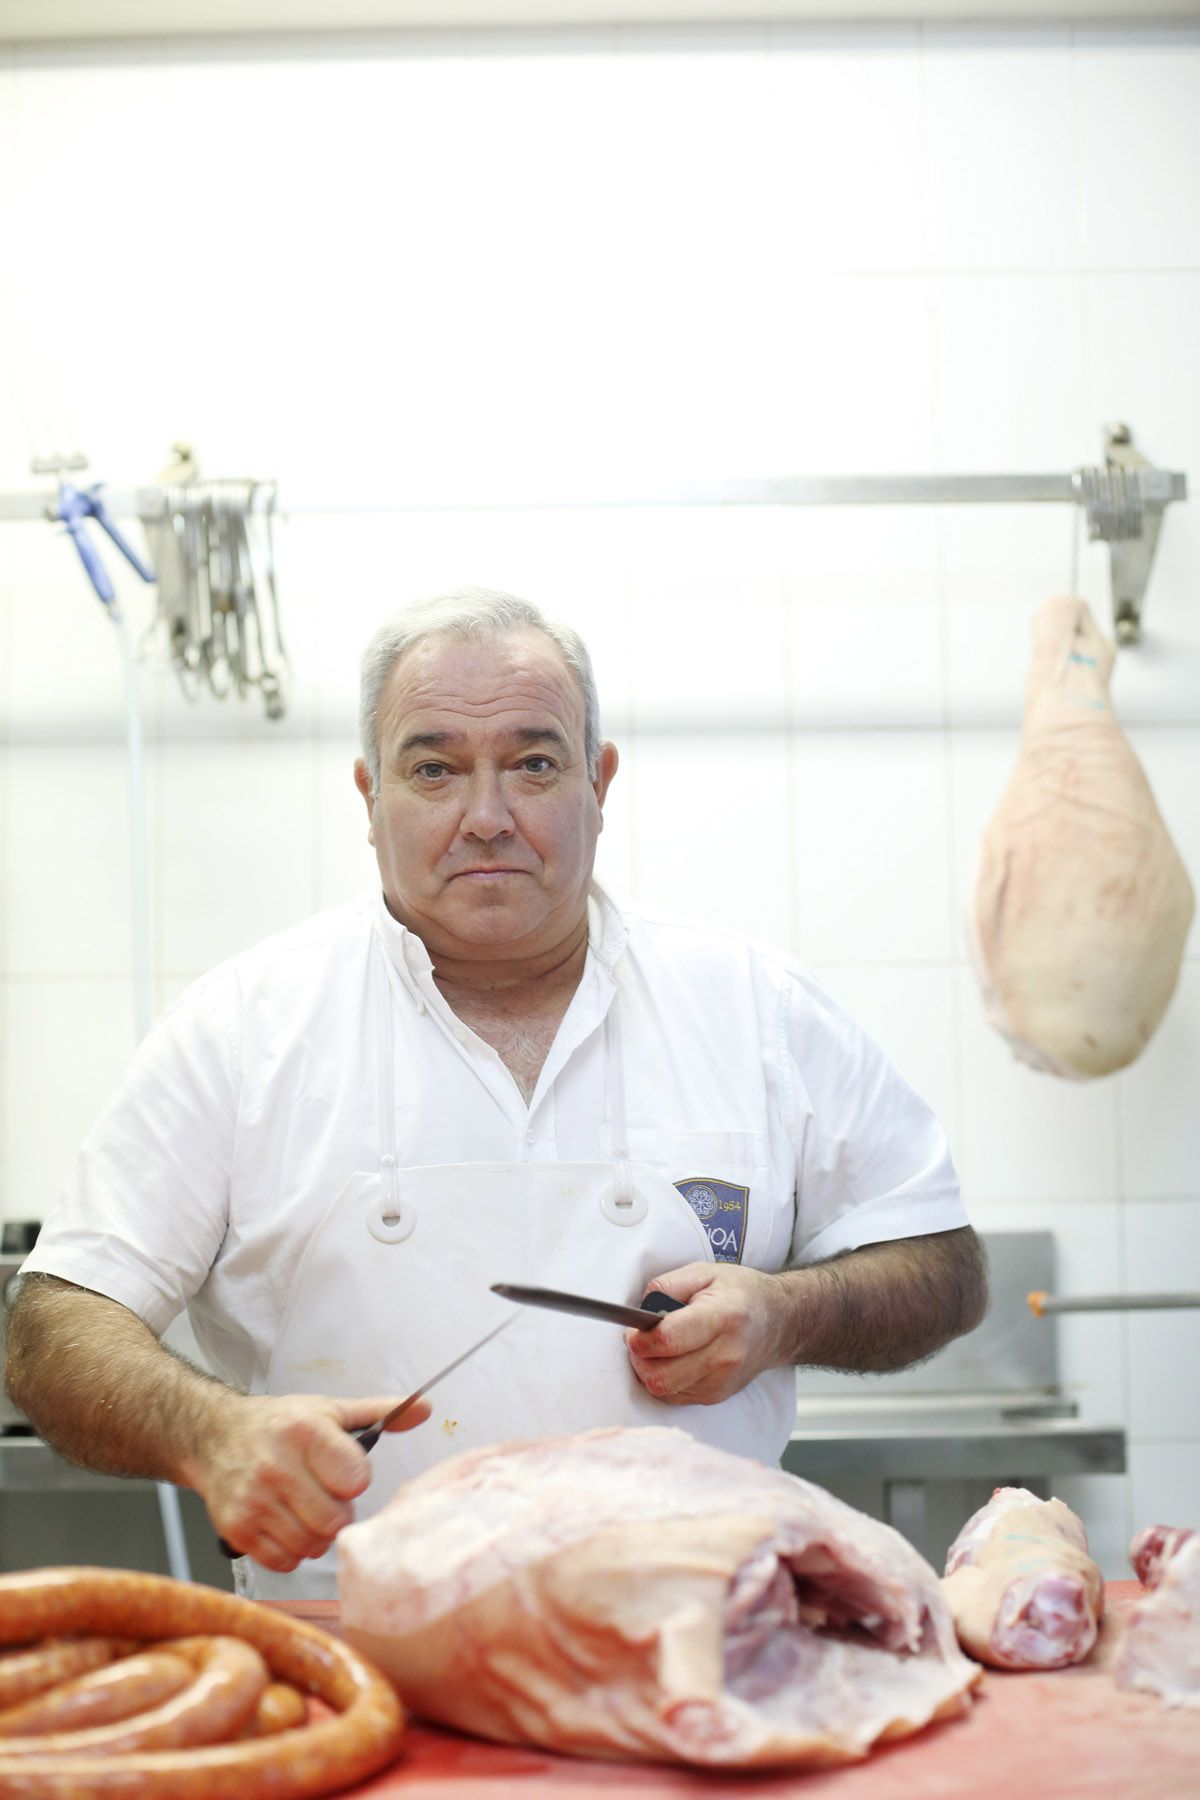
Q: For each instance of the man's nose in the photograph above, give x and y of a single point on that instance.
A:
(486, 813)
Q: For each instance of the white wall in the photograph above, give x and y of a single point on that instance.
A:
(474, 260)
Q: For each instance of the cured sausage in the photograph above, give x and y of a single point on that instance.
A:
(1024, 1592)
(24, 1673)
(101, 1697)
(223, 1679)
(362, 1736)
(281, 1707)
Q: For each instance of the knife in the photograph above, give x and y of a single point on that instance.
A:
(368, 1435)
(644, 1317)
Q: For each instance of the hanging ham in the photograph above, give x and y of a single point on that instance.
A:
(1024, 1592)
(1082, 905)
(632, 1593)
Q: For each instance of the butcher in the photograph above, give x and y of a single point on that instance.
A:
(483, 1070)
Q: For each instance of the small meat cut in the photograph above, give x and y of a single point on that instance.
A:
(1024, 1592)
(1082, 905)
(1160, 1650)
(631, 1593)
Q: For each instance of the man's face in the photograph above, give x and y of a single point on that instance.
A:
(486, 819)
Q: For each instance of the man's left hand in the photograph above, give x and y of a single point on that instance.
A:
(733, 1326)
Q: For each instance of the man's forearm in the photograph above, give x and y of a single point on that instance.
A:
(98, 1386)
(886, 1305)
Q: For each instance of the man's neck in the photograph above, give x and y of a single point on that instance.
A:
(535, 985)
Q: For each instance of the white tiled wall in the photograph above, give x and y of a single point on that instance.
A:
(484, 264)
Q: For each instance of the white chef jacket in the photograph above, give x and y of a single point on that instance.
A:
(254, 1097)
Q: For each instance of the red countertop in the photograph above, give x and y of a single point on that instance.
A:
(1027, 1737)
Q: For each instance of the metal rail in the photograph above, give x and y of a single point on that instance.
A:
(1040, 1303)
(1123, 501)
(1154, 487)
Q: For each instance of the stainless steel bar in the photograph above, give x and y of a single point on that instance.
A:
(1064, 1303)
(1157, 487)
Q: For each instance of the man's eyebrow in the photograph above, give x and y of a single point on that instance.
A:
(523, 735)
(428, 740)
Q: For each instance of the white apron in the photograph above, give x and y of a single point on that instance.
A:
(396, 1282)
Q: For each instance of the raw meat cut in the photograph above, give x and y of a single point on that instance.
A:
(1082, 906)
(1160, 1649)
(633, 1593)
(1024, 1592)
(1154, 1547)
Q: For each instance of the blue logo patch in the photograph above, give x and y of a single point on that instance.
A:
(721, 1209)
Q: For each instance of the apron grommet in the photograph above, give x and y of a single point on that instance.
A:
(392, 1227)
(622, 1209)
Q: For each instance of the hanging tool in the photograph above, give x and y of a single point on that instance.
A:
(217, 600)
(74, 507)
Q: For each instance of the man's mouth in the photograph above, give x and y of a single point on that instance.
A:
(489, 874)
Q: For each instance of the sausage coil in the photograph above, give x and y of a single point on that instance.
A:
(317, 1758)
(24, 1673)
(281, 1708)
(117, 1691)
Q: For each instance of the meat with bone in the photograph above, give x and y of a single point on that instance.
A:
(1023, 1590)
(1153, 1548)
(1082, 905)
(632, 1593)
(1160, 1648)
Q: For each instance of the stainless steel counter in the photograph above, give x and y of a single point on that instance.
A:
(31, 1467)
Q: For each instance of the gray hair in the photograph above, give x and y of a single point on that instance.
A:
(467, 613)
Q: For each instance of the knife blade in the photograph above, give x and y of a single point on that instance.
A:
(368, 1435)
(644, 1317)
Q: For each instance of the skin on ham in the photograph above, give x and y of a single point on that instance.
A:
(1023, 1590)
(1082, 905)
(630, 1593)
(1160, 1648)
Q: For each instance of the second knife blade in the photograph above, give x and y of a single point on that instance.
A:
(642, 1318)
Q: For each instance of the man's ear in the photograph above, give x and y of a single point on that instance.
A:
(362, 782)
(606, 768)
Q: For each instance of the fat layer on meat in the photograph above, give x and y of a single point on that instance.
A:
(632, 1593)
(1160, 1647)
(1082, 905)
(1023, 1590)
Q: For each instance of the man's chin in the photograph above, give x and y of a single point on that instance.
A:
(490, 920)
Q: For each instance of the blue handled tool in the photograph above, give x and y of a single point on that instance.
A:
(75, 507)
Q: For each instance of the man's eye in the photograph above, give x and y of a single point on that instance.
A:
(430, 771)
(537, 765)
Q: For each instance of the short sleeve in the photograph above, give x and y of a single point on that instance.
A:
(144, 1210)
(873, 1162)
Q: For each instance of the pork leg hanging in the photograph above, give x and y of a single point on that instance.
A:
(1082, 905)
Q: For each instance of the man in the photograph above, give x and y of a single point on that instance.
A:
(331, 1147)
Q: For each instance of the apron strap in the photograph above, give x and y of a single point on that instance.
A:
(614, 1102)
(387, 1093)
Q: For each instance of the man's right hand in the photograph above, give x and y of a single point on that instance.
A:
(278, 1475)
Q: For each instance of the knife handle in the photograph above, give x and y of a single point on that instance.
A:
(660, 1303)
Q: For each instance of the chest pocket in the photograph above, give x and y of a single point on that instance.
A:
(722, 1177)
